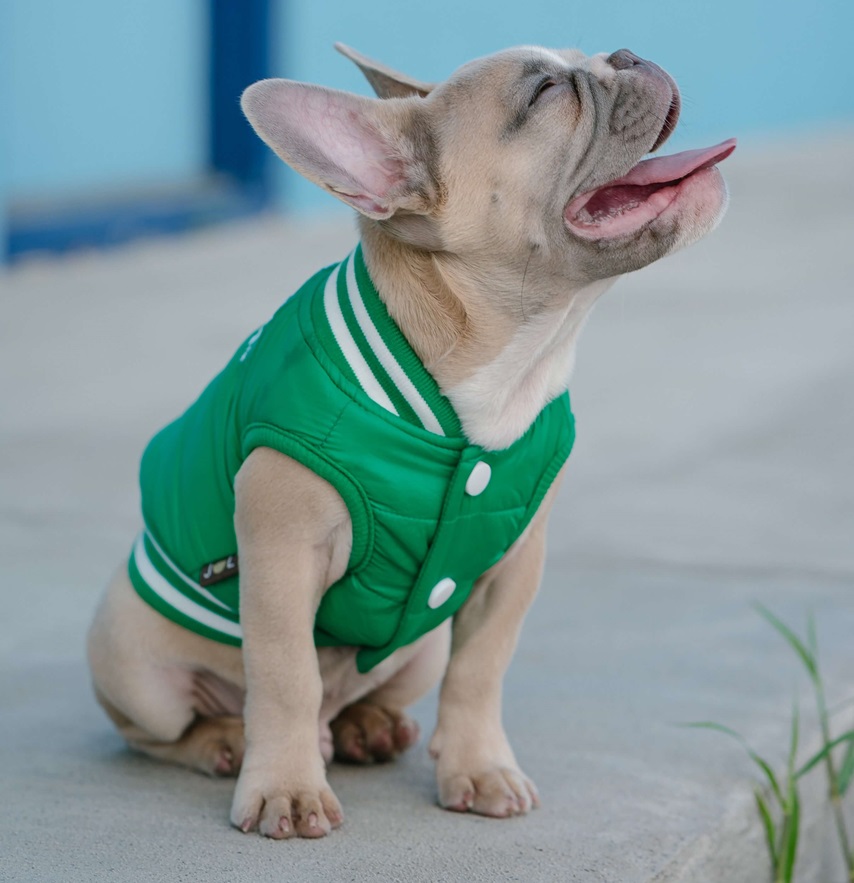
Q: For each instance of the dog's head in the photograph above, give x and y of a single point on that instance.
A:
(526, 158)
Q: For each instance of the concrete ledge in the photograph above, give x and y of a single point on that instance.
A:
(713, 468)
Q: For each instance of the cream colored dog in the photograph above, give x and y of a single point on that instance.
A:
(496, 207)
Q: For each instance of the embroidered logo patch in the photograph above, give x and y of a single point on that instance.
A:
(217, 571)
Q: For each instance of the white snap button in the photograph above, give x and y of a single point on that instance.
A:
(479, 478)
(441, 592)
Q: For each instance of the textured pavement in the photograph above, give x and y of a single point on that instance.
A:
(714, 466)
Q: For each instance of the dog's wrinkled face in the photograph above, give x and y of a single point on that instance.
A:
(528, 157)
(561, 125)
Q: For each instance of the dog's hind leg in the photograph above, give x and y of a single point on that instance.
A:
(212, 745)
(170, 693)
(376, 728)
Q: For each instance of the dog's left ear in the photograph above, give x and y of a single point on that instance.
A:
(387, 83)
(374, 155)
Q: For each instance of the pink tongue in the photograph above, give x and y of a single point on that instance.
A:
(671, 168)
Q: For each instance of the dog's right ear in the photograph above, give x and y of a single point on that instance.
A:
(387, 83)
(369, 153)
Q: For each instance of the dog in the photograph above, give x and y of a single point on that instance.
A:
(379, 460)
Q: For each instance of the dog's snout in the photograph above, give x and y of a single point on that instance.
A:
(623, 59)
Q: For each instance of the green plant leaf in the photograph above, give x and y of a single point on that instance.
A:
(793, 741)
(812, 637)
(759, 761)
(846, 771)
(807, 658)
(789, 849)
(770, 828)
(820, 755)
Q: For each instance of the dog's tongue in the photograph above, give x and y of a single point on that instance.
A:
(671, 168)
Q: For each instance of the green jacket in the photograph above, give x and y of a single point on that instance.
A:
(331, 381)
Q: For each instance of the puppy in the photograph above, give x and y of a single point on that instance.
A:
(379, 459)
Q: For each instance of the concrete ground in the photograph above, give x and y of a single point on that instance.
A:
(715, 402)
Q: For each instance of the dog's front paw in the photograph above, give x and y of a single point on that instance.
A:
(480, 774)
(497, 791)
(282, 806)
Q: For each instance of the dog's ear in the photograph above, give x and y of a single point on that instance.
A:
(387, 83)
(374, 155)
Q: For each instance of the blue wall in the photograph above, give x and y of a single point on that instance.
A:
(102, 94)
(105, 95)
(748, 68)
(5, 101)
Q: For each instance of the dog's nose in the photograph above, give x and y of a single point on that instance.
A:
(623, 59)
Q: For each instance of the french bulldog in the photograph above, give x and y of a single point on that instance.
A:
(494, 209)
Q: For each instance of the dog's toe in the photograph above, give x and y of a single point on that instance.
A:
(281, 813)
(499, 792)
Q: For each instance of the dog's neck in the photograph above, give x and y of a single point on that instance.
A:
(499, 369)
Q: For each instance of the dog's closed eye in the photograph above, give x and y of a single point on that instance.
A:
(542, 87)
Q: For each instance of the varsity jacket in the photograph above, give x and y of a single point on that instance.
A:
(331, 381)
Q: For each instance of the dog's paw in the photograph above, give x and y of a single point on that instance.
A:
(280, 811)
(368, 733)
(219, 745)
(498, 791)
(211, 745)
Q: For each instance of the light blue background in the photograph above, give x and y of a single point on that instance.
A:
(102, 94)
(109, 94)
(749, 68)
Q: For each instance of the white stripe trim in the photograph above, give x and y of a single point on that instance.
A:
(386, 358)
(352, 353)
(183, 577)
(171, 596)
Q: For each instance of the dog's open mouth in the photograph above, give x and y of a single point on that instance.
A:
(628, 203)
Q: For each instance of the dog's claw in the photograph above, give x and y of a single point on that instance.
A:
(308, 810)
(224, 765)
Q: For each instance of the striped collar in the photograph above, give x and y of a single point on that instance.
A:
(369, 347)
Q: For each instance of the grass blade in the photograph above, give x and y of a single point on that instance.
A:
(820, 756)
(807, 658)
(812, 637)
(793, 744)
(759, 761)
(846, 771)
(770, 828)
(711, 725)
(789, 849)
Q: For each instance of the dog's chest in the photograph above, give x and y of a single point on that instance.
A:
(499, 401)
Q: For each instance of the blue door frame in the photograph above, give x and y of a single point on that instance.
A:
(238, 182)
(240, 55)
